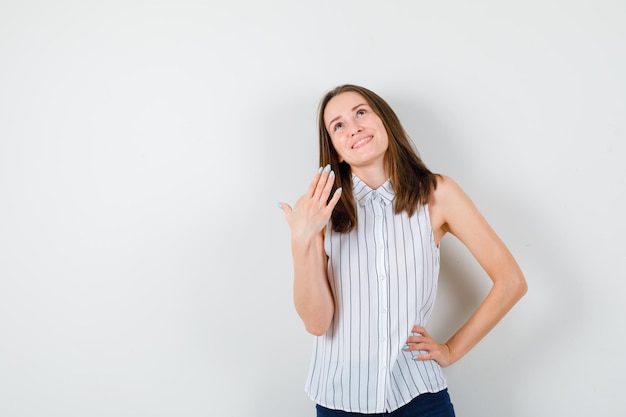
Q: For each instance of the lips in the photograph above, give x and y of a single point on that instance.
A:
(362, 142)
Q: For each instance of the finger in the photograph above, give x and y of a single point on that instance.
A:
(410, 347)
(419, 351)
(333, 201)
(328, 187)
(419, 345)
(411, 340)
(286, 208)
(421, 356)
(322, 181)
(314, 182)
(419, 329)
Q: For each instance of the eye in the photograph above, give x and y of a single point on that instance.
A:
(360, 112)
(337, 126)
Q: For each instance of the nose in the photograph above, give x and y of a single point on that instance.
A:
(354, 129)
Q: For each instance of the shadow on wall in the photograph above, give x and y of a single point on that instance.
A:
(543, 323)
(540, 327)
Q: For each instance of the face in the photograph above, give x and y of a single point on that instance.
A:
(357, 133)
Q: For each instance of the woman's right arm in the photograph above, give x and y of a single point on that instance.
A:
(311, 291)
(313, 298)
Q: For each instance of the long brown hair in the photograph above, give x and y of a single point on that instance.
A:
(411, 180)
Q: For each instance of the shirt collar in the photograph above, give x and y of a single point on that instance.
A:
(363, 193)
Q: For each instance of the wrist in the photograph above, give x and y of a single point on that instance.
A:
(303, 243)
(453, 355)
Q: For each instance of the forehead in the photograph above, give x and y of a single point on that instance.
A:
(342, 103)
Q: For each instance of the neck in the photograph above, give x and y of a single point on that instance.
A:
(374, 177)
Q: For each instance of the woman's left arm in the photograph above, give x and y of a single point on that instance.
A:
(451, 210)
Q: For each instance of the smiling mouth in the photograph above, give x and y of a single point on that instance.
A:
(362, 142)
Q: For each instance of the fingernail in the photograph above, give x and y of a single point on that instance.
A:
(405, 347)
(332, 174)
(280, 206)
(338, 190)
(327, 168)
(320, 171)
(416, 358)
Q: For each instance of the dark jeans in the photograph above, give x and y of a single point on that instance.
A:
(425, 405)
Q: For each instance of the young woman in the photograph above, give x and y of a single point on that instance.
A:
(365, 244)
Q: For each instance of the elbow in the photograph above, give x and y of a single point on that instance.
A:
(524, 288)
(318, 326)
(316, 330)
(316, 319)
(519, 286)
(512, 288)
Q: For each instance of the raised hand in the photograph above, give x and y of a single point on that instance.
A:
(312, 211)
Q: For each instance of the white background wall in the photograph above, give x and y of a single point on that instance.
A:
(145, 269)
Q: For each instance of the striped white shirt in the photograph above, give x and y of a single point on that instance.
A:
(383, 275)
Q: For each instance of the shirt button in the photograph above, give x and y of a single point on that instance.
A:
(382, 277)
(383, 311)
(383, 366)
(374, 195)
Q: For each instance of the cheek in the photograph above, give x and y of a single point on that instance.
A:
(385, 135)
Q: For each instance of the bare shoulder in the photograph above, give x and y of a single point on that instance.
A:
(445, 196)
(448, 204)
(446, 188)
(452, 211)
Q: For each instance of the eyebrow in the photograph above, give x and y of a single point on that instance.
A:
(353, 109)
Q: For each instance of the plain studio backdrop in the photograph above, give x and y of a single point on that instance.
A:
(145, 269)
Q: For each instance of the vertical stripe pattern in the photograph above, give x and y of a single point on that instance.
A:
(383, 276)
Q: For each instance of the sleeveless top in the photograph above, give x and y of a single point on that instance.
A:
(383, 275)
